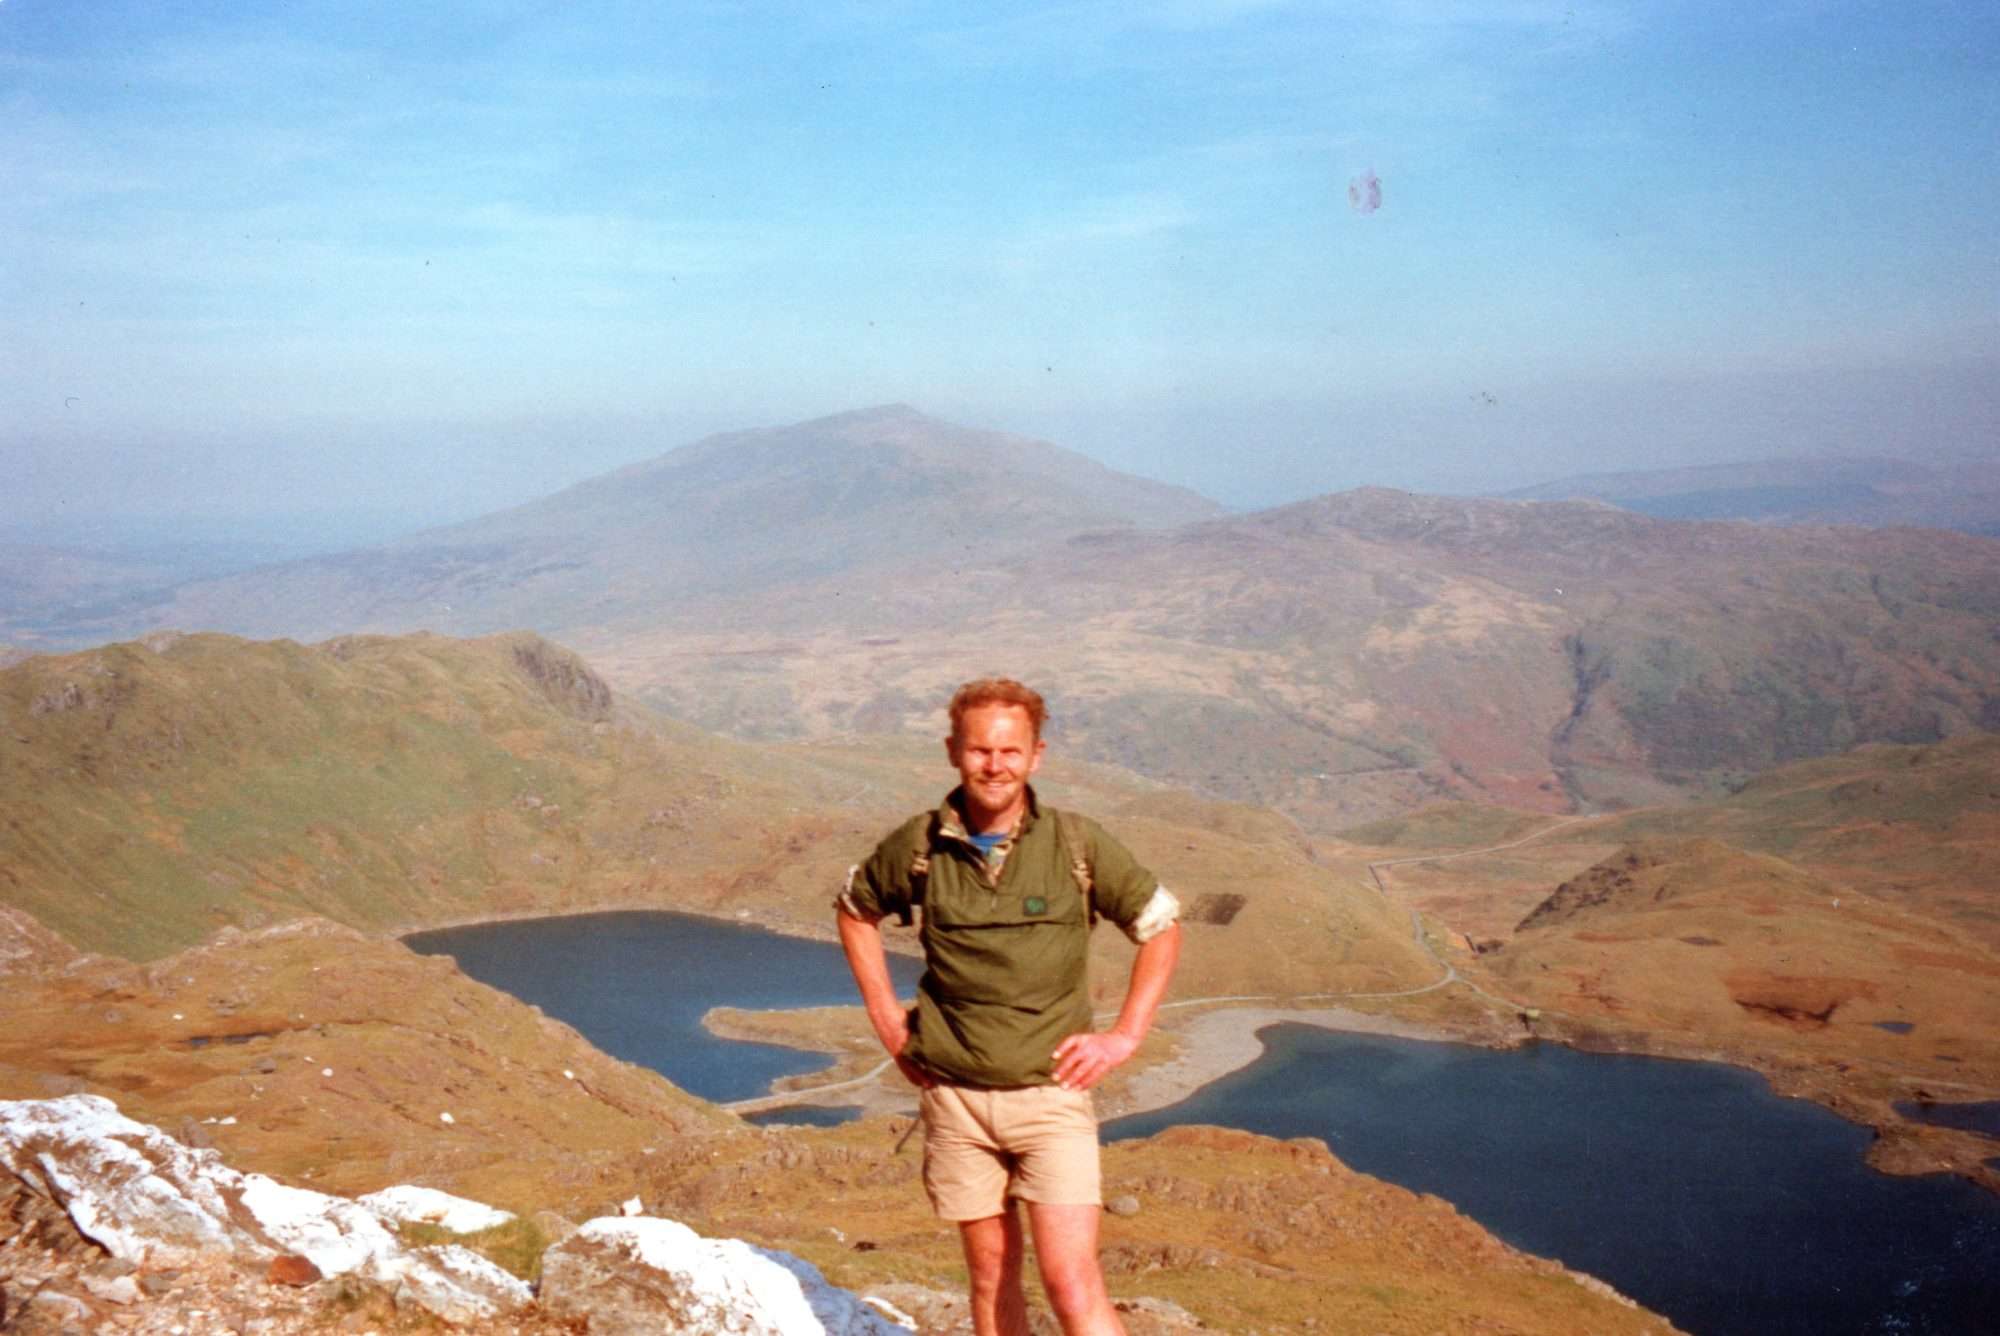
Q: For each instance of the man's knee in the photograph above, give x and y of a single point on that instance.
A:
(1066, 1254)
(1074, 1286)
(993, 1250)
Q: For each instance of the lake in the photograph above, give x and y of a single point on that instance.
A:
(637, 984)
(1688, 1186)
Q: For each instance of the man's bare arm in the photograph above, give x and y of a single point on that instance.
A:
(1083, 1059)
(869, 962)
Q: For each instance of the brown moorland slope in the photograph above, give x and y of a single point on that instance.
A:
(330, 1059)
(1917, 826)
(1831, 923)
(1362, 654)
(334, 1056)
(1695, 947)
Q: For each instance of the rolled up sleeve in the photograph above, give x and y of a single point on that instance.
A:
(857, 907)
(877, 888)
(1127, 893)
(1162, 911)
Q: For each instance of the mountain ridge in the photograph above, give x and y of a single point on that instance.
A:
(837, 576)
(1370, 651)
(1961, 494)
(730, 514)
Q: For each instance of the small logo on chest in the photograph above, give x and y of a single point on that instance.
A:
(1034, 904)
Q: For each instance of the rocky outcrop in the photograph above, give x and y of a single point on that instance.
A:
(99, 1213)
(26, 947)
(633, 1277)
(428, 1206)
(147, 1199)
(1656, 872)
(561, 675)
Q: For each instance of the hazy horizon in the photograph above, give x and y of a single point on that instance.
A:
(393, 269)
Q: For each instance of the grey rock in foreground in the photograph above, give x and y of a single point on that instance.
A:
(645, 1275)
(147, 1199)
(88, 1183)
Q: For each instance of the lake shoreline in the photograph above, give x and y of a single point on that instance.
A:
(1209, 1047)
(1225, 1039)
(797, 929)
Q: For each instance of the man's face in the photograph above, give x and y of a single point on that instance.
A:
(995, 750)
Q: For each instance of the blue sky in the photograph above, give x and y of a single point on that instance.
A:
(418, 261)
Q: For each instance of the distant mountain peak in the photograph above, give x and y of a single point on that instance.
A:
(885, 489)
(895, 412)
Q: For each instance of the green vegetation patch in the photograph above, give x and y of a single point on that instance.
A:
(515, 1247)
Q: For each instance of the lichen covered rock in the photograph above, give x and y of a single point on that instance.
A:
(146, 1198)
(646, 1275)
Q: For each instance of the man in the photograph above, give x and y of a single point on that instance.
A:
(1000, 1041)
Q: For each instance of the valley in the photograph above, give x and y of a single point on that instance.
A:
(1482, 770)
(1345, 658)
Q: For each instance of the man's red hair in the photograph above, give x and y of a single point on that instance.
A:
(997, 691)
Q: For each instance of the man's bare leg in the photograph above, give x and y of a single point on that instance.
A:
(1066, 1253)
(993, 1256)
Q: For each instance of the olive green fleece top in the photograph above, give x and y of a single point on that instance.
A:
(1005, 938)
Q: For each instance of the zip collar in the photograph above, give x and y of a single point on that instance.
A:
(951, 819)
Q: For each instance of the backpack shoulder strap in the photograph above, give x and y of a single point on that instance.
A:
(1074, 838)
(919, 870)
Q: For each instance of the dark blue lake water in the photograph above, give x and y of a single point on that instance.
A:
(637, 984)
(1688, 1186)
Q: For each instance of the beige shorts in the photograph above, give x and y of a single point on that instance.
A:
(1038, 1143)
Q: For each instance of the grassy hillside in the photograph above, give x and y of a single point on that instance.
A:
(156, 792)
(1916, 825)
